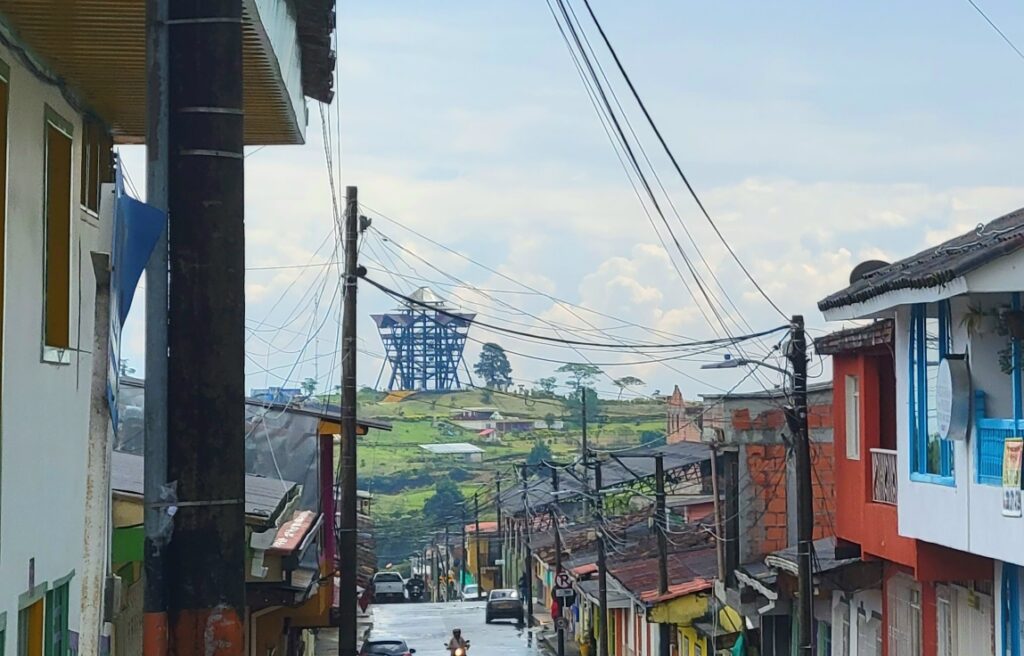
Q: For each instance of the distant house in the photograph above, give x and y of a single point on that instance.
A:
(682, 419)
(465, 450)
(275, 394)
(484, 418)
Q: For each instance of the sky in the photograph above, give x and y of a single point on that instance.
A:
(818, 135)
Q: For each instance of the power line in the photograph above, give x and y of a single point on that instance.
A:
(603, 345)
(672, 157)
(996, 28)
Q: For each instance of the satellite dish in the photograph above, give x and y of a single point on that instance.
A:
(864, 268)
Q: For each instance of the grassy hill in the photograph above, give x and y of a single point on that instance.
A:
(401, 475)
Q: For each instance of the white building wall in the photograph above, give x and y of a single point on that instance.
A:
(45, 406)
(927, 511)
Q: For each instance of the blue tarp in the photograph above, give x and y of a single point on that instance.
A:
(137, 228)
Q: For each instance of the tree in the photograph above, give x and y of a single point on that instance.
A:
(579, 374)
(493, 367)
(549, 419)
(539, 453)
(309, 386)
(652, 438)
(575, 407)
(446, 501)
(627, 381)
(548, 385)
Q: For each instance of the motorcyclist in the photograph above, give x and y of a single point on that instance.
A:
(457, 642)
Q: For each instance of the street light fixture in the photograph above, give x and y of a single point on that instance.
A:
(730, 362)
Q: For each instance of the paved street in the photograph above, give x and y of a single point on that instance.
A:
(427, 628)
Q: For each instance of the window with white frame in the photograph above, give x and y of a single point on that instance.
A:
(904, 617)
(930, 341)
(852, 417)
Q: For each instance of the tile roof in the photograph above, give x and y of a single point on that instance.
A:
(689, 571)
(879, 333)
(939, 265)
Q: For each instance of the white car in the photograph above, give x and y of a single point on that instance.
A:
(388, 586)
(472, 592)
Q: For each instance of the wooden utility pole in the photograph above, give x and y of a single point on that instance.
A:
(348, 597)
(602, 565)
(528, 551)
(476, 543)
(205, 579)
(558, 553)
(805, 502)
(661, 524)
(501, 530)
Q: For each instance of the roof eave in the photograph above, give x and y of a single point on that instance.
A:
(883, 305)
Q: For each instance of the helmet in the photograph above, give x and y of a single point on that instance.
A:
(456, 632)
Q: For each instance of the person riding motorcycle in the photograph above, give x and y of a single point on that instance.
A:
(458, 646)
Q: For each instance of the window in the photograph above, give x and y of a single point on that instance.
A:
(57, 643)
(904, 617)
(698, 650)
(57, 216)
(30, 630)
(853, 418)
(96, 163)
(930, 341)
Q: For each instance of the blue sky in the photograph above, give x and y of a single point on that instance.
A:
(819, 135)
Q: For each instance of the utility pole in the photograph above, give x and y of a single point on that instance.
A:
(583, 445)
(805, 504)
(501, 528)
(205, 575)
(447, 564)
(719, 547)
(528, 557)
(602, 565)
(348, 597)
(476, 530)
(558, 554)
(465, 553)
(661, 522)
(157, 524)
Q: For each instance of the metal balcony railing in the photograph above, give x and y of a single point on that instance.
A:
(883, 476)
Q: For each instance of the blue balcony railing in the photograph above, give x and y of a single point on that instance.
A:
(990, 433)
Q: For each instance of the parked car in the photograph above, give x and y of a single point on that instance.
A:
(504, 604)
(472, 592)
(389, 647)
(388, 586)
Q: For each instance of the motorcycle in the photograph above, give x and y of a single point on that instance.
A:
(415, 588)
(458, 651)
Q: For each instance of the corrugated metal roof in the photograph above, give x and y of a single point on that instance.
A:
(824, 558)
(939, 265)
(452, 448)
(264, 497)
(688, 572)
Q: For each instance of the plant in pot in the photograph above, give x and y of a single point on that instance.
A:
(1009, 324)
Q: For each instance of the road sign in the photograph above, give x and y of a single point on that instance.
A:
(564, 592)
(561, 624)
(563, 580)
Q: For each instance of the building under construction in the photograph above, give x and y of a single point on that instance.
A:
(424, 341)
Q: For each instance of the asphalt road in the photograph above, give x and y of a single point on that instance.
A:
(427, 628)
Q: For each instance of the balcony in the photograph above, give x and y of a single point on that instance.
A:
(883, 476)
(991, 434)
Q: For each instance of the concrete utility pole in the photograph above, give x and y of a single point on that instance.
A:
(805, 501)
(348, 598)
(602, 565)
(558, 553)
(157, 523)
(585, 453)
(447, 564)
(206, 330)
(661, 524)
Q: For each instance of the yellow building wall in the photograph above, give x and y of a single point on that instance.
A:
(683, 611)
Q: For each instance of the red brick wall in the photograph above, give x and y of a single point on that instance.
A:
(767, 499)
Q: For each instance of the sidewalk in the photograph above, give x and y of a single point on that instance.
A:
(547, 636)
(327, 639)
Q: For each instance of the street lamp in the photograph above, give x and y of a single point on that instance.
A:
(729, 362)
